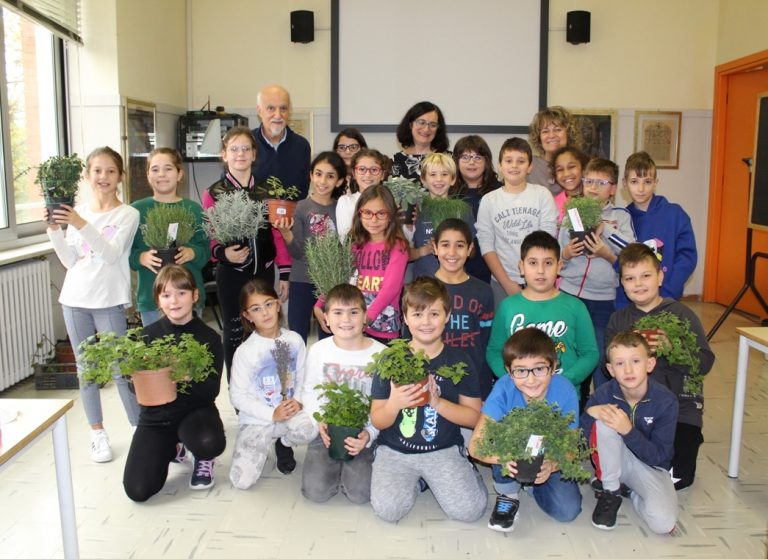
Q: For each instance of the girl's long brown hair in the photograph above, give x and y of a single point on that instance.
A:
(393, 236)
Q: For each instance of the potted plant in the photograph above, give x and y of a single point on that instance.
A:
(401, 365)
(167, 228)
(683, 347)
(437, 210)
(345, 412)
(54, 365)
(531, 434)
(590, 213)
(330, 262)
(280, 201)
(234, 218)
(158, 369)
(58, 177)
(408, 196)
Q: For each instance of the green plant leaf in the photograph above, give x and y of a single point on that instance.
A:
(330, 262)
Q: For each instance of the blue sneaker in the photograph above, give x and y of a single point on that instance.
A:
(504, 513)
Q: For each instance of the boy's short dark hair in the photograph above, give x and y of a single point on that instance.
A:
(641, 163)
(453, 224)
(529, 342)
(634, 253)
(344, 293)
(424, 291)
(627, 339)
(539, 239)
(516, 144)
(604, 166)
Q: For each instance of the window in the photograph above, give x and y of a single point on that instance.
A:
(32, 115)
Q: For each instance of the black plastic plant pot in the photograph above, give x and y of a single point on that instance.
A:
(55, 203)
(167, 255)
(581, 235)
(408, 213)
(528, 469)
(239, 244)
(338, 433)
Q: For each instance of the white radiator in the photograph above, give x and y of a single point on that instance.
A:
(25, 315)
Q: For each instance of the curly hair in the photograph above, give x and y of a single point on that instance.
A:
(557, 115)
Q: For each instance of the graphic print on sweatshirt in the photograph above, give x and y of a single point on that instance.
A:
(555, 329)
(320, 224)
(352, 375)
(276, 374)
(108, 232)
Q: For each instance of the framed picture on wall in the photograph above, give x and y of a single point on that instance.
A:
(301, 123)
(598, 131)
(658, 134)
(139, 129)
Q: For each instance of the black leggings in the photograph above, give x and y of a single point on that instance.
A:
(154, 446)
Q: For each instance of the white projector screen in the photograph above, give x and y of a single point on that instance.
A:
(484, 63)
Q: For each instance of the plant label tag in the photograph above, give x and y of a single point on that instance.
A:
(576, 222)
(173, 230)
(533, 448)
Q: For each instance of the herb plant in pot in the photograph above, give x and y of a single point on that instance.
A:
(234, 218)
(281, 199)
(168, 227)
(539, 428)
(58, 177)
(345, 412)
(330, 262)
(399, 364)
(590, 213)
(158, 369)
(408, 196)
(437, 210)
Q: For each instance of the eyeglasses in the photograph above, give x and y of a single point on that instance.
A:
(374, 171)
(646, 181)
(522, 372)
(349, 148)
(381, 215)
(597, 182)
(421, 123)
(471, 158)
(264, 307)
(241, 149)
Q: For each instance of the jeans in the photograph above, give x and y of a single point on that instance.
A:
(559, 498)
(82, 323)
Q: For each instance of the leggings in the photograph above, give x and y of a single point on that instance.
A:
(154, 446)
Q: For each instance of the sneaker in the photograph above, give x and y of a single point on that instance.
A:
(100, 449)
(181, 454)
(597, 486)
(503, 515)
(202, 475)
(285, 461)
(606, 509)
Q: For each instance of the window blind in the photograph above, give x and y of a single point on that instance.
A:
(61, 17)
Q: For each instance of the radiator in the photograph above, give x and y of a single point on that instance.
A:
(25, 315)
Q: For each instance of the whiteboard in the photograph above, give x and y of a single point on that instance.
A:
(484, 63)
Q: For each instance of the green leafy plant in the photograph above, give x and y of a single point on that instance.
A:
(406, 192)
(155, 230)
(235, 217)
(344, 406)
(683, 347)
(189, 360)
(400, 364)
(58, 176)
(437, 210)
(508, 439)
(330, 262)
(276, 189)
(590, 211)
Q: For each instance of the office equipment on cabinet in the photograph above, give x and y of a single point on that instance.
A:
(200, 133)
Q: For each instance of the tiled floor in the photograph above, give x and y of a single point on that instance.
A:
(719, 517)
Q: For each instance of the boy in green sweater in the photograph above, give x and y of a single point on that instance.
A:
(542, 305)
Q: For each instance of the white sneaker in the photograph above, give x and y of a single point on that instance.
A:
(100, 449)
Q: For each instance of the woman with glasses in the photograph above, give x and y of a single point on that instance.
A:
(551, 129)
(369, 168)
(347, 143)
(238, 264)
(421, 131)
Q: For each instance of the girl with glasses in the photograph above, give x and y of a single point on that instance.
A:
(346, 144)
(421, 131)
(369, 168)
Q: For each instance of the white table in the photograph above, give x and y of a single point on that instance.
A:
(35, 418)
(757, 338)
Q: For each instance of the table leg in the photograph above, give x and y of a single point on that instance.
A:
(738, 408)
(64, 486)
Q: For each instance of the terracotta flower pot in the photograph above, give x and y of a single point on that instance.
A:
(280, 208)
(55, 203)
(424, 400)
(154, 388)
(338, 433)
(528, 469)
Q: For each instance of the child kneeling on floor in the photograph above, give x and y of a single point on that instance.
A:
(631, 421)
(423, 446)
(529, 358)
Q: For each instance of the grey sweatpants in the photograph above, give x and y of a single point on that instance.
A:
(455, 483)
(653, 493)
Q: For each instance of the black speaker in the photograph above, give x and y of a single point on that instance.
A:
(577, 28)
(302, 26)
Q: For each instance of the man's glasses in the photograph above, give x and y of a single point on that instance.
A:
(381, 215)
(374, 171)
(522, 372)
(421, 123)
(349, 148)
